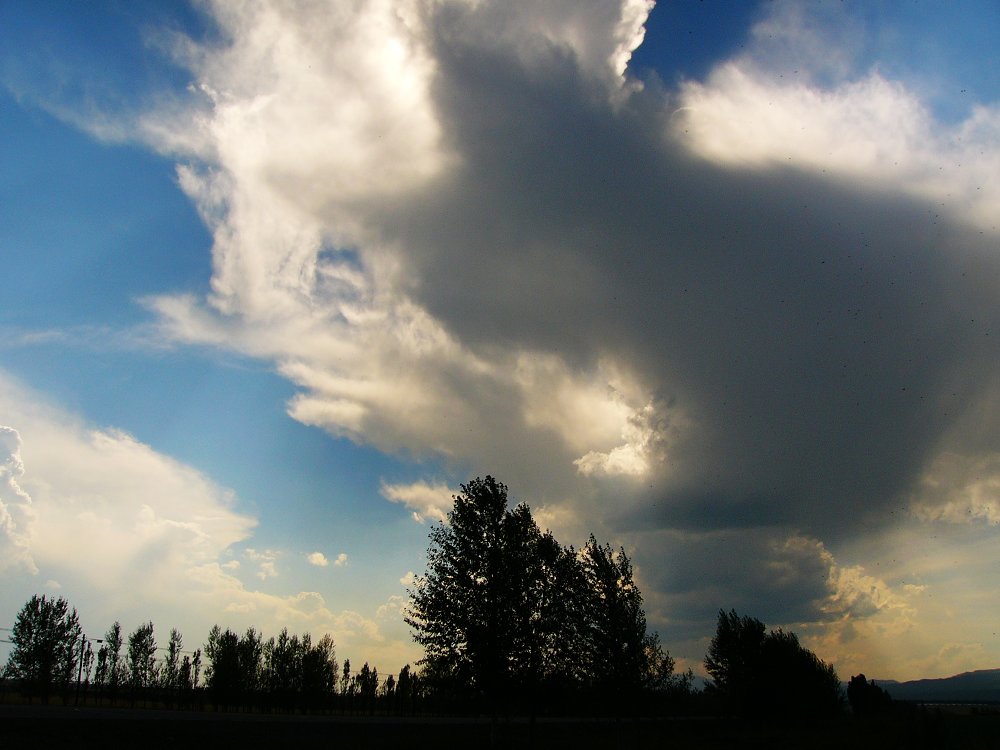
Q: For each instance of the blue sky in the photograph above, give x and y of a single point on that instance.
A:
(279, 278)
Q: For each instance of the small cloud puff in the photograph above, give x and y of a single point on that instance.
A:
(321, 561)
(318, 559)
(266, 560)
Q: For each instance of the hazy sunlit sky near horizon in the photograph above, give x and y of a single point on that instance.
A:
(716, 281)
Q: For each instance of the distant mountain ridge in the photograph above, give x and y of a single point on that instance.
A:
(981, 686)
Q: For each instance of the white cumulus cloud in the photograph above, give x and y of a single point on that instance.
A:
(16, 514)
(318, 559)
(427, 501)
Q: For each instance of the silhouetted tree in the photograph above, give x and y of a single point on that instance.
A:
(549, 594)
(101, 669)
(222, 674)
(622, 657)
(495, 610)
(282, 657)
(110, 670)
(406, 690)
(195, 668)
(557, 603)
(45, 640)
(318, 670)
(462, 609)
(88, 661)
(170, 677)
(185, 676)
(795, 681)
(345, 678)
(735, 658)
(250, 653)
(504, 609)
(760, 672)
(388, 689)
(188, 674)
(867, 698)
(366, 686)
(142, 668)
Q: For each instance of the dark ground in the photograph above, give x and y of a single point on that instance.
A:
(66, 727)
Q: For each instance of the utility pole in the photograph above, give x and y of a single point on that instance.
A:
(79, 673)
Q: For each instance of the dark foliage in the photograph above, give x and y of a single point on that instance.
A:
(143, 671)
(867, 698)
(621, 657)
(284, 672)
(46, 640)
(504, 610)
(472, 611)
(110, 673)
(760, 673)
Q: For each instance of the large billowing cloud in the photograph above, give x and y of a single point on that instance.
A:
(765, 300)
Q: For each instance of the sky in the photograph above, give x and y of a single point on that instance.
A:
(717, 283)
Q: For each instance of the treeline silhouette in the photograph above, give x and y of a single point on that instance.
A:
(231, 672)
(761, 673)
(754, 673)
(511, 622)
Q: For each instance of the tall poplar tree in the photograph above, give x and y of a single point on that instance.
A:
(46, 639)
(142, 667)
(622, 657)
(464, 609)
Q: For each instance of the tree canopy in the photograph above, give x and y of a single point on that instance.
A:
(622, 655)
(46, 637)
(503, 605)
(755, 671)
(143, 670)
(467, 609)
(867, 698)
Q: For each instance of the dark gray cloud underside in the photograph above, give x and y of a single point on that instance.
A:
(821, 339)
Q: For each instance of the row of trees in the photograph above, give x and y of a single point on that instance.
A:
(50, 654)
(505, 610)
(509, 620)
(292, 672)
(139, 668)
(754, 672)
